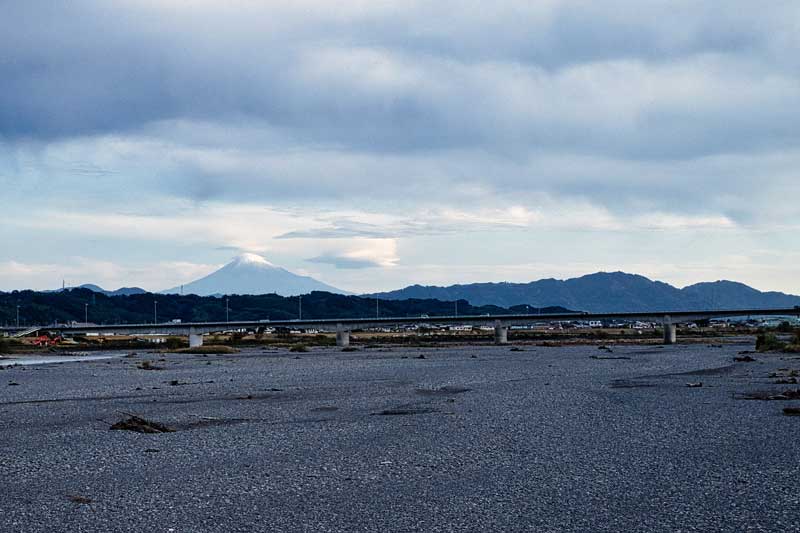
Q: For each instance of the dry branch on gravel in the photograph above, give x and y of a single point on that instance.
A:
(141, 425)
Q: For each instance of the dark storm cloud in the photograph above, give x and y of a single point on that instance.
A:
(393, 79)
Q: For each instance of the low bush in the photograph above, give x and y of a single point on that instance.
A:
(208, 349)
(324, 340)
(768, 342)
(794, 347)
(299, 348)
(173, 343)
(7, 344)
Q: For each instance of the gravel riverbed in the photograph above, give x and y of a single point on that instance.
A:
(457, 438)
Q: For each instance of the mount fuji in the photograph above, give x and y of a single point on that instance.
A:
(252, 274)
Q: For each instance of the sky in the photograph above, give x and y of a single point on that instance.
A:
(376, 144)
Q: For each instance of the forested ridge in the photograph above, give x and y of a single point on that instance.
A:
(76, 304)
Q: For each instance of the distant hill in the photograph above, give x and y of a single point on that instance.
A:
(123, 291)
(605, 292)
(252, 274)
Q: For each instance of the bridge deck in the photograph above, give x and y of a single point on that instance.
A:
(333, 324)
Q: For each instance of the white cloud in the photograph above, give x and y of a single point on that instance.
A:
(364, 253)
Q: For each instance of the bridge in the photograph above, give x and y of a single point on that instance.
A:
(343, 327)
(25, 332)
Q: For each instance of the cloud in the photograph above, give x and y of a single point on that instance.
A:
(363, 253)
(450, 221)
(344, 261)
(195, 171)
(294, 129)
(227, 226)
(661, 80)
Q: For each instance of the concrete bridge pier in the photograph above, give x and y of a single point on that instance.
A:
(670, 331)
(342, 337)
(500, 334)
(195, 338)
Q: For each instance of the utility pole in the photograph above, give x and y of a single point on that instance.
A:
(155, 311)
(17, 315)
(456, 307)
(85, 313)
(227, 310)
(377, 307)
(300, 305)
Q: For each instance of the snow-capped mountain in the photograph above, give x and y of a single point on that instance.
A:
(252, 274)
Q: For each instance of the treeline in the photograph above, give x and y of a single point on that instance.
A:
(41, 308)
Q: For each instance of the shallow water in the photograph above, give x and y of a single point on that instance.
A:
(49, 359)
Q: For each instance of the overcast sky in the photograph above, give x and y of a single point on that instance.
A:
(375, 144)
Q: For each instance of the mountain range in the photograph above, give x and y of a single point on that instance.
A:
(603, 292)
(251, 274)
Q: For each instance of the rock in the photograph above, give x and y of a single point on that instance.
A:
(141, 425)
